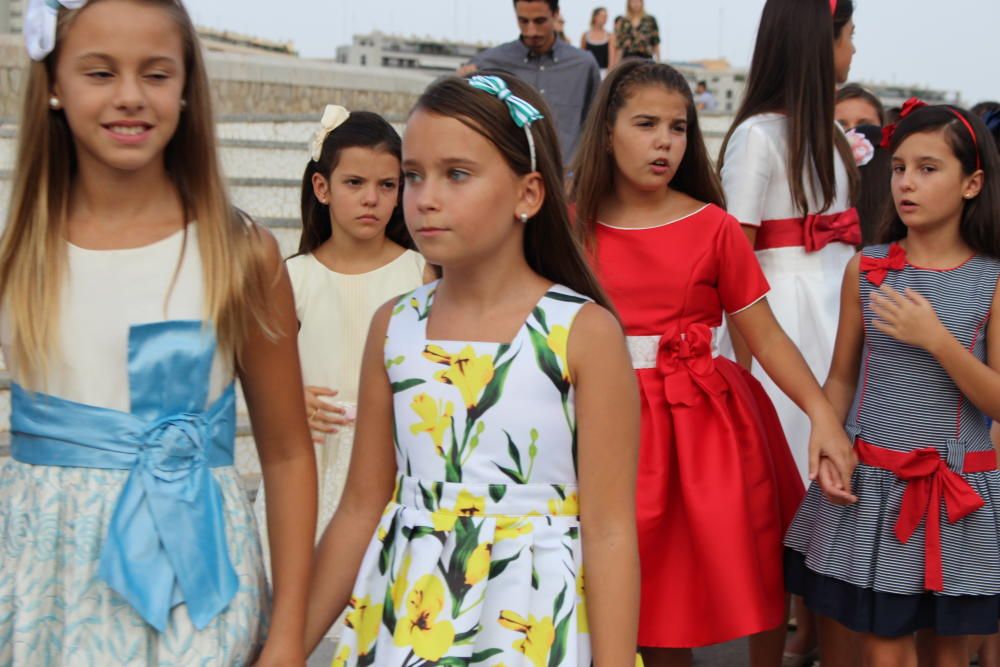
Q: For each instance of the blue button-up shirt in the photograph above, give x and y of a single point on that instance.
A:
(567, 77)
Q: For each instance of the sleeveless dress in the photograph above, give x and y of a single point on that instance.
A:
(802, 253)
(477, 558)
(919, 548)
(106, 561)
(334, 311)
(717, 486)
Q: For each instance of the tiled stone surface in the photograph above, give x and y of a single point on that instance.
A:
(268, 201)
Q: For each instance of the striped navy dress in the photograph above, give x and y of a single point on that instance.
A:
(926, 461)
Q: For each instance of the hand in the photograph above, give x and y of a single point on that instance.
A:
(323, 418)
(907, 317)
(833, 485)
(466, 69)
(831, 458)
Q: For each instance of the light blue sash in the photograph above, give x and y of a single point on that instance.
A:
(166, 543)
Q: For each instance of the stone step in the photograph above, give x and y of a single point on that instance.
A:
(241, 158)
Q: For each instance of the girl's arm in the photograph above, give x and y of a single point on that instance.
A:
(370, 482)
(842, 382)
(910, 318)
(784, 364)
(607, 410)
(272, 383)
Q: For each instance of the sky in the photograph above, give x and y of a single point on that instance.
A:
(944, 45)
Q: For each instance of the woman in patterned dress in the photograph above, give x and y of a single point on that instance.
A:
(915, 367)
(637, 34)
(500, 404)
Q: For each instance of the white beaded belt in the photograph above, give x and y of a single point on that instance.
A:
(643, 349)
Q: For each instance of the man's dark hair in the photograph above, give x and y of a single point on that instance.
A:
(704, 84)
(553, 4)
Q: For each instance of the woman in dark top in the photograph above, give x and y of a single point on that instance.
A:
(636, 34)
(597, 40)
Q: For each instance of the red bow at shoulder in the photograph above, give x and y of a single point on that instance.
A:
(687, 363)
(878, 268)
(820, 230)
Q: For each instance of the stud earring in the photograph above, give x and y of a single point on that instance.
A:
(184, 103)
(54, 103)
(523, 218)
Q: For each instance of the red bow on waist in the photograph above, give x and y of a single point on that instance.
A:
(820, 230)
(812, 232)
(929, 480)
(686, 361)
(878, 268)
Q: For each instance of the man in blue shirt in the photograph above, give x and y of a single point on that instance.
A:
(567, 77)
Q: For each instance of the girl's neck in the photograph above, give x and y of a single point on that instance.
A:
(344, 253)
(630, 207)
(488, 282)
(940, 247)
(112, 198)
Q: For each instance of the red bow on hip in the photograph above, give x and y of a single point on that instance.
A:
(909, 107)
(878, 268)
(929, 480)
(686, 361)
(819, 230)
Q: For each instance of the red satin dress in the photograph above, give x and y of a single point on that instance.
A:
(717, 485)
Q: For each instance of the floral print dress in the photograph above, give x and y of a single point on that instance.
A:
(477, 559)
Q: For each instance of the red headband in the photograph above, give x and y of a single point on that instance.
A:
(912, 105)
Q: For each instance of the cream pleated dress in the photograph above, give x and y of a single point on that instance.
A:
(334, 311)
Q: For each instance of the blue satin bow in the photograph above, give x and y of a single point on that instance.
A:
(166, 543)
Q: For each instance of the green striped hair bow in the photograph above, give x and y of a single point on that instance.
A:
(523, 113)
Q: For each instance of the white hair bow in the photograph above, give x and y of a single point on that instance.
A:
(333, 117)
(40, 18)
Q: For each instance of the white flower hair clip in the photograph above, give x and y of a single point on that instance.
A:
(861, 147)
(333, 117)
(40, 19)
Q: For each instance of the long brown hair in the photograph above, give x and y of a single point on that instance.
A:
(362, 129)
(33, 254)
(550, 247)
(792, 72)
(594, 166)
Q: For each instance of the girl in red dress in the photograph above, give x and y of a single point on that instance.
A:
(717, 485)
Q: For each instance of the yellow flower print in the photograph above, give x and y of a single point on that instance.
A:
(341, 659)
(365, 619)
(557, 340)
(538, 636)
(465, 370)
(429, 637)
(465, 505)
(568, 507)
(581, 608)
(510, 527)
(479, 564)
(433, 419)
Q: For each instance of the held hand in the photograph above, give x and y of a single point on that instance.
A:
(323, 417)
(466, 69)
(907, 317)
(831, 459)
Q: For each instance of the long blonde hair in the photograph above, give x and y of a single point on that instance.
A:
(33, 253)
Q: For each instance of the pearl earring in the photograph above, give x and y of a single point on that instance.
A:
(184, 103)
(54, 102)
(523, 218)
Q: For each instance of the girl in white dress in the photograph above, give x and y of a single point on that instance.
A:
(132, 295)
(354, 255)
(788, 175)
